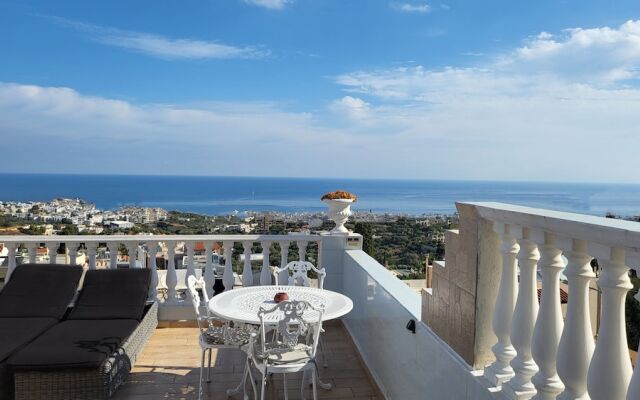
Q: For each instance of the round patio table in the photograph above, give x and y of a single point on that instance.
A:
(242, 305)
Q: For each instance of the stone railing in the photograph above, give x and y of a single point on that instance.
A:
(535, 350)
(143, 249)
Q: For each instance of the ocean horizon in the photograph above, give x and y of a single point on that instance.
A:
(217, 195)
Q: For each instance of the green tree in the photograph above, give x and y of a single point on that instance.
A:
(366, 231)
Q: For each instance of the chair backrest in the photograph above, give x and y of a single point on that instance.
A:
(192, 284)
(297, 321)
(298, 274)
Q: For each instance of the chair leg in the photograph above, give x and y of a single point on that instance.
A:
(324, 356)
(286, 391)
(313, 383)
(264, 386)
(209, 367)
(201, 373)
(253, 382)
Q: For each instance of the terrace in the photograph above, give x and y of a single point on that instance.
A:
(479, 333)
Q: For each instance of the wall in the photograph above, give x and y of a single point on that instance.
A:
(404, 365)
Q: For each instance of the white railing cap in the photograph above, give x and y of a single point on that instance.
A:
(156, 238)
(607, 231)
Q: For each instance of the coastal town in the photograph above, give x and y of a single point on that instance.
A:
(402, 243)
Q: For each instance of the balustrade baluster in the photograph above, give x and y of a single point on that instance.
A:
(524, 319)
(72, 249)
(247, 273)
(52, 247)
(319, 256)
(576, 343)
(132, 249)
(283, 276)
(610, 370)
(32, 248)
(302, 250)
(228, 279)
(92, 248)
(209, 274)
(172, 277)
(113, 254)
(548, 328)
(153, 266)
(265, 273)
(500, 371)
(11, 258)
(191, 270)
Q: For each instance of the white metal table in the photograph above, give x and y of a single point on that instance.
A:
(242, 305)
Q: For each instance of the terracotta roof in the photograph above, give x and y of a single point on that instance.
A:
(564, 296)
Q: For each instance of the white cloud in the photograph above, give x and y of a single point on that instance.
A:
(164, 47)
(351, 107)
(270, 4)
(543, 111)
(422, 8)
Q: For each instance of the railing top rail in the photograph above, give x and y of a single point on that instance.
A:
(156, 238)
(606, 231)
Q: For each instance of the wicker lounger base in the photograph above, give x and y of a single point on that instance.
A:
(93, 383)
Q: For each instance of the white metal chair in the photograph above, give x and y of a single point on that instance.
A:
(298, 274)
(293, 346)
(215, 333)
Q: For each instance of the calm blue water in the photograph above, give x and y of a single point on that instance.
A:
(222, 195)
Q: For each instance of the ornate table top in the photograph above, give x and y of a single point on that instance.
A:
(243, 304)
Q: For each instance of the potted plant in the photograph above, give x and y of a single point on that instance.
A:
(339, 203)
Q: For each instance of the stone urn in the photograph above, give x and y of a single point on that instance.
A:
(339, 212)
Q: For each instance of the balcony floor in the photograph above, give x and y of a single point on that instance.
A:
(169, 368)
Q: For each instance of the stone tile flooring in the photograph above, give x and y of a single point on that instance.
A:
(169, 368)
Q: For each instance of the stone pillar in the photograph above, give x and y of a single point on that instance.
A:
(172, 277)
(209, 274)
(153, 285)
(227, 279)
(283, 276)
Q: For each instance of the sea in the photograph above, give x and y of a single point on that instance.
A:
(218, 195)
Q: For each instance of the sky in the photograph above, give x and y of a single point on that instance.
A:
(497, 90)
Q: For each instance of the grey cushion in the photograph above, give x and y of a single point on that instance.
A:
(74, 344)
(39, 290)
(112, 294)
(15, 333)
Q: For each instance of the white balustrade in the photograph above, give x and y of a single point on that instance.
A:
(548, 328)
(610, 370)
(576, 343)
(524, 318)
(571, 364)
(140, 247)
(500, 371)
(247, 273)
(265, 272)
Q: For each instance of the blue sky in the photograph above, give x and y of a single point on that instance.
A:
(544, 90)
